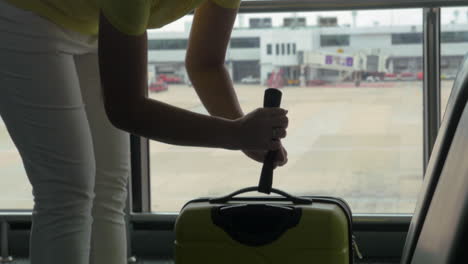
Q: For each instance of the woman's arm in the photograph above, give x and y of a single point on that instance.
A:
(209, 37)
(123, 69)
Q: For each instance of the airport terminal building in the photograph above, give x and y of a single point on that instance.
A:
(304, 54)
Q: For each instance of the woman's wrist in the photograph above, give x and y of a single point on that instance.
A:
(228, 134)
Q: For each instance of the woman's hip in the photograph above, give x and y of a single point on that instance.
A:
(24, 31)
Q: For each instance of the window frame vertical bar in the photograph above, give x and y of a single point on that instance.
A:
(140, 184)
(431, 94)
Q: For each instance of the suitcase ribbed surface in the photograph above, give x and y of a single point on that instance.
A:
(321, 236)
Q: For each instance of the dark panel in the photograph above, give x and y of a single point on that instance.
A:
(242, 69)
(334, 40)
(243, 43)
(407, 38)
(167, 44)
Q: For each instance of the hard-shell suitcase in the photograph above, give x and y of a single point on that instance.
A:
(273, 230)
(283, 229)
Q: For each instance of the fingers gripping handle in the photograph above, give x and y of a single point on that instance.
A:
(272, 99)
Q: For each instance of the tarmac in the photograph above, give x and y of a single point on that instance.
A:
(362, 144)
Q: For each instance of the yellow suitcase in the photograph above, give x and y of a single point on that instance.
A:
(261, 230)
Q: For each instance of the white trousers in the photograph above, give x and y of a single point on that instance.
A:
(76, 161)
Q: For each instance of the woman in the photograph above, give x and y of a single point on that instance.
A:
(67, 67)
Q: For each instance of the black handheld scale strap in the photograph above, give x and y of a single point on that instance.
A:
(272, 99)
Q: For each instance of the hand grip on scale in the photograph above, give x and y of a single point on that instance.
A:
(272, 99)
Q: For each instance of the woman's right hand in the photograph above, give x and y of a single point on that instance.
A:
(261, 129)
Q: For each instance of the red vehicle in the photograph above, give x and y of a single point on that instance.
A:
(170, 78)
(158, 86)
(408, 76)
(390, 77)
(420, 76)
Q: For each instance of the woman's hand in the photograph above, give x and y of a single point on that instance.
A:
(261, 129)
(281, 158)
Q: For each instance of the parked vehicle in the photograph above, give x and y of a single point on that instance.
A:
(250, 80)
(443, 76)
(420, 76)
(294, 82)
(390, 77)
(169, 78)
(158, 86)
(408, 76)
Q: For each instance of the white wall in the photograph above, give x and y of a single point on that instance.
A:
(308, 39)
(284, 36)
(243, 54)
(452, 49)
(158, 56)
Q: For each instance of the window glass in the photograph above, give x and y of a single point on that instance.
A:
(245, 43)
(15, 190)
(355, 108)
(407, 38)
(167, 44)
(334, 40)
(454, 48)
(454, 37)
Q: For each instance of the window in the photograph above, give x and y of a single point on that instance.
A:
(16, 189)
(246, 72)
(406, 65)
(334, 40)
(360, 143)
(260, 22)
(407, 38)
(454, 49)
(269, 49)
(241, 43)
(167, 44)
(454, 37)
(289, 49)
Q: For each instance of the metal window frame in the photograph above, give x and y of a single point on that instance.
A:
(432, 84)
(264, 6)
(431, 45)
(152, 235)
(140, 182)
(140, 196)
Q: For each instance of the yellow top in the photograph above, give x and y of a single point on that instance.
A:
(132, 17)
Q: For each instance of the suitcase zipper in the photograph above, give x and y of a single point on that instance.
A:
(356, 248)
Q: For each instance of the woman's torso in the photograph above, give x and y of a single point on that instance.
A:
(83, 15)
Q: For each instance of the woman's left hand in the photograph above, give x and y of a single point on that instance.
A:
(281, 158)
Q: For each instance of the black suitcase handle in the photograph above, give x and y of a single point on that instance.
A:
(289, 197)
(255, 225)
(272, 98)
